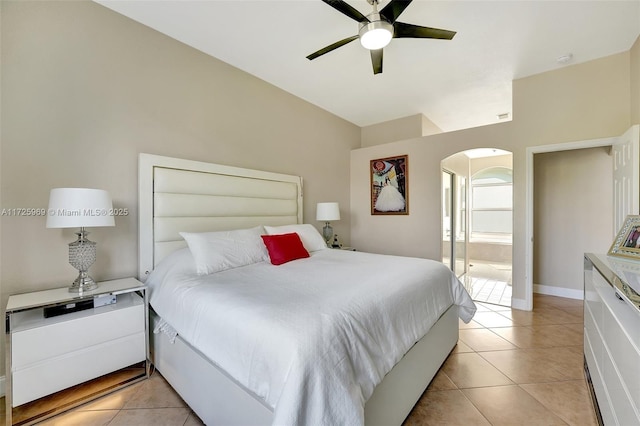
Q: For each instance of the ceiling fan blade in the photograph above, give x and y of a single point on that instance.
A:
(348, 10)
(331, 47)
(376, 61)
(395, 7)
(401, 29)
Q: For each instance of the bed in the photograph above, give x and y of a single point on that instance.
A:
(290, 383)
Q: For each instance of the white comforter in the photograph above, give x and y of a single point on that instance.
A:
(312, 337)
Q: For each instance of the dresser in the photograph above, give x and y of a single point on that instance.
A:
(612, 337)
(57, 340)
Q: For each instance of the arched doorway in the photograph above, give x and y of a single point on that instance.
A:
(477, 218)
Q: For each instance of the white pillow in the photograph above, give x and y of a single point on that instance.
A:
(311, 238)
(218, 251)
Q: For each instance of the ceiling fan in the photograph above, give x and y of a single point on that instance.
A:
(377, 29)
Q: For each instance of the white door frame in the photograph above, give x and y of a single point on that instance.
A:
(527, 303)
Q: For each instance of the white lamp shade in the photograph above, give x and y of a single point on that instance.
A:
(327, 212)
(79, 207)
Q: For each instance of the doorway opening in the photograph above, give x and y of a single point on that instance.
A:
(477, 213)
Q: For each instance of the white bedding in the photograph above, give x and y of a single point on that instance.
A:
(312, 337)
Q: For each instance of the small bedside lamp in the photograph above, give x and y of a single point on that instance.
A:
(327, 212)
(80, 208)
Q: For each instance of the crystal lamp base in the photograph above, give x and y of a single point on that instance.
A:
(82, 254)
(327, 232)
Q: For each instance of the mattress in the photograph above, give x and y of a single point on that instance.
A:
(312, 338)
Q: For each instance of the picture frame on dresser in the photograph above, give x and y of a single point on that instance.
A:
(627, 241)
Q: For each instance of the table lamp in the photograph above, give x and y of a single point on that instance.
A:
(80, 208)
(327, 212)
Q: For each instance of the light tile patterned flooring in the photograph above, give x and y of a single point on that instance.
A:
(488, 282)
(513, 367)
(510, 367)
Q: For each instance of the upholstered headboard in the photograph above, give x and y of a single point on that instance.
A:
(176, 195)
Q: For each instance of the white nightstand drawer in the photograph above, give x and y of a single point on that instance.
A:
(59, 373)
(46, 355)
(68, 333)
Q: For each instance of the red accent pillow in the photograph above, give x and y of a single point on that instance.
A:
(284, 248)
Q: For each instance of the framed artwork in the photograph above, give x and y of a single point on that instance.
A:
(627, 242)
(390, 185)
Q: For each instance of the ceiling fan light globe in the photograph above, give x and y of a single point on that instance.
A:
(376, 35)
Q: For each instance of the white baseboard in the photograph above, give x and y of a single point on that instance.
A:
(2, 384)
(558, 291)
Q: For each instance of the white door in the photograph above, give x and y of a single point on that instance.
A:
(626, 176)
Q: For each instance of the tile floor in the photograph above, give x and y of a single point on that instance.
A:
(510, 367)
(513, 367)
(488, 282)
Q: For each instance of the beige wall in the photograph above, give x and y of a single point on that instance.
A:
(580, 102)
(572, 215)
(467, 167)
(478, 164)
(417, 234)
(429, 127)
(394, 130)
(457, 163)
(84, 90)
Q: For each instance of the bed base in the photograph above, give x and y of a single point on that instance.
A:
(219, 400)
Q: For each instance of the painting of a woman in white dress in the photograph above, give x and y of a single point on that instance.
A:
(389, 186)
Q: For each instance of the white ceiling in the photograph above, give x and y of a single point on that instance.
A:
(461, 83)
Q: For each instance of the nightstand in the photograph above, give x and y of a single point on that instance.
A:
(56, 340)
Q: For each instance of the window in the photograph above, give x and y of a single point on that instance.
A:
(492, 203)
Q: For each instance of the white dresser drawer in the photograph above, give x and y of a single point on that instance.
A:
(620, 342)
(592, 333)
(52, 375)
(61, 335)
(624, 410)
(604, 400)
(592, 299)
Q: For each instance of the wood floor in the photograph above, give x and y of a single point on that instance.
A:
(509, 368)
